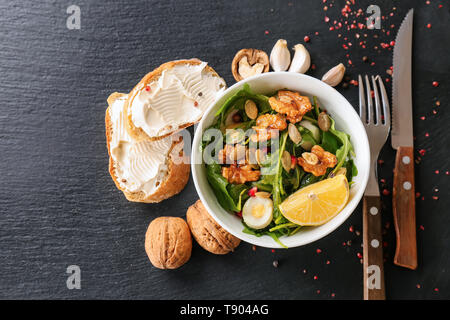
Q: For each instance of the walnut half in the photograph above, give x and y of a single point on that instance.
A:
(248, 62)
(211, 236)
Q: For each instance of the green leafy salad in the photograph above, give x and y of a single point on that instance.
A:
(262, 149)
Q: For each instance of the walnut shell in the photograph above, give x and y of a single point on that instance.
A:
(209, 235)
(168, 242)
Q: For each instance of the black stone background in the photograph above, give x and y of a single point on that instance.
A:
(59, 206)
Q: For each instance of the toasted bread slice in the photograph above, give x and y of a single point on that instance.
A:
(170, 98)
(132, 163)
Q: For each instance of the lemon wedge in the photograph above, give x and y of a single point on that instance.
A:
(317, 203)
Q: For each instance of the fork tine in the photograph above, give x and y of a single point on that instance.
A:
(370, 113)
(362, 101)
(385, 101)
(377, 102)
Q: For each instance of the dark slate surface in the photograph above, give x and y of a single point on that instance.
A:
(60, 207)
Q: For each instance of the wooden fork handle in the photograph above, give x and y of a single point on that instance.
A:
(373, 249)
(404, 209)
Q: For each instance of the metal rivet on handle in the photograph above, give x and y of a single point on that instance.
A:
(375, 243)
(407, 185)
(406, 160)
(373, 211)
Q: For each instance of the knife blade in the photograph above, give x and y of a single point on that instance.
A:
(402, 128)
(403, 195)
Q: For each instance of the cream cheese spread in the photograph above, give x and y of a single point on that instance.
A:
(179, 96)
(139, 166)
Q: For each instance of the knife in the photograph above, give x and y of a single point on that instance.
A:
(403, 196)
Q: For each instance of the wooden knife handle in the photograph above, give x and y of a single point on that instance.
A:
(404, 209)
(373, 249)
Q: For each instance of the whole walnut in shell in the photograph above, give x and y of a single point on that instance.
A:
(211, 236)
(168, 242)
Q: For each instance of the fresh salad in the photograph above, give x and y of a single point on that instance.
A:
(277, 162)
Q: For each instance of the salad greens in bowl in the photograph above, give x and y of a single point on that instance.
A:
(280, 159)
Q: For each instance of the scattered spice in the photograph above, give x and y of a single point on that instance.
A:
(275, 263)
(435, 84)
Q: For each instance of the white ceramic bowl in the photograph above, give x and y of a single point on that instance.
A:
(346, 120)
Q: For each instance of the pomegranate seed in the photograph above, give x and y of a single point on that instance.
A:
(252, 191)
(239, 214)
(147, 88)
(293, 160)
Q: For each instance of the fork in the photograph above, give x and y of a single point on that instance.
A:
(377, 130)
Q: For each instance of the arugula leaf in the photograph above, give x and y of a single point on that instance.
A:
(277, 187)
(346, 146)
(244, 94)
(239, 194)
(352, 171)
(259, 233)
(219, 185)
(329, 142)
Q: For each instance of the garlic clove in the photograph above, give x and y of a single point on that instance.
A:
(280, 57)
(334, 76)
(301, 61)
